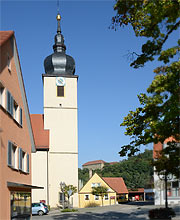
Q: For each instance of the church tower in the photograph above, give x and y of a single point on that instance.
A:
(60, 117)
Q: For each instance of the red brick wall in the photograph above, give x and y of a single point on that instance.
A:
(12, 132)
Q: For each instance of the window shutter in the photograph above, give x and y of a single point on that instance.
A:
(8, 101)
(20, 158)
(20, 121)
(12, 105)
(27, 163)
(9, 153)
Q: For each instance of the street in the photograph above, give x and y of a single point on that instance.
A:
(133, 211)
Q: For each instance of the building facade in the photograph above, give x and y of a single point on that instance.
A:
(116, 189)
(16, 137)
(173, 184)
(93, 165)
(60, 118)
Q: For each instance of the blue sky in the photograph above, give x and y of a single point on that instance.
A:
(107, 85)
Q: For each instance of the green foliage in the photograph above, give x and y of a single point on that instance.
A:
(100, 191)
(157, 118)
(69, 210)
(161, 213)
(152, 19)
(69, 187)
(136, 171)
(83, 174)
(163, 166)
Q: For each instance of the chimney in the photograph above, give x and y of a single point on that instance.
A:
(90, 173)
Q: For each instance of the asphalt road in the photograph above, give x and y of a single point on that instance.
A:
(133, 211)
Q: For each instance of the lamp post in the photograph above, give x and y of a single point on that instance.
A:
(62, 185)
(165, 177)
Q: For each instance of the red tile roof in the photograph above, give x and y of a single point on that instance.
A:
(94, 162)
(116, 183)
(41, 136)
(4, 36)
(139, 190)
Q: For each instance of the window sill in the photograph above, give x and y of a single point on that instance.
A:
(13, 168)
(24, 172)
(9, 114)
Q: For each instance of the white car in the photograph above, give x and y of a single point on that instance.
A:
(39, 208)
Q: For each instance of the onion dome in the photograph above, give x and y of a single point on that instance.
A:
(59, 63)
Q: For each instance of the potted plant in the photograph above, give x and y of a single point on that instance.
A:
(161, 213)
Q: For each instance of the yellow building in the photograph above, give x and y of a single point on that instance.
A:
(116, 188)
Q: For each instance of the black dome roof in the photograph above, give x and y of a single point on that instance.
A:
(59, 63)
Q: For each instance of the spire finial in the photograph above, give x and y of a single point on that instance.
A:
(58, 17)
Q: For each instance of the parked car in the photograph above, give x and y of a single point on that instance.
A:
(39, 208)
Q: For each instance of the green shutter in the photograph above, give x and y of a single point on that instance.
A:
(27, 163)
(20, 121)
(8, 101)
(20, 158)
(12, 105)
(9, 153)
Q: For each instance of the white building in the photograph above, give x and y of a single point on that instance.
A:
(56, 159)
(173, 185)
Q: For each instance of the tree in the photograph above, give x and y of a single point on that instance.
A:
(100, 191)
(157, 118)
(69, 190)
(83, 174)
(136, 171)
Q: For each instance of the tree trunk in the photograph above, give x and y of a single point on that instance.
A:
(102, 200)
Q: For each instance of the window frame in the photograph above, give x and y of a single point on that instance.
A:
(86, 197)
(106, 197)
(59, 91)
(96, 197)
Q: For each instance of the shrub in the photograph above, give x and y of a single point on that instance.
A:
(91, 204)
(69, 210)
(161, 213)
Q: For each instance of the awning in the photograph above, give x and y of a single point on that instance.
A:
(20, 185)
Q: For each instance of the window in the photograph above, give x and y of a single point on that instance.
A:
(15, 112)
(174, 189)
(20, 116)
(106, 197)
(10, 103)
(22, 160)
(98, 184)
(2, 95)
(60, 91)
(86, 197)
(12, 155)
(93, 185)
(27, 158)
(96, 197)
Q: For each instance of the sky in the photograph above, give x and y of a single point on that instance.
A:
(107, 85)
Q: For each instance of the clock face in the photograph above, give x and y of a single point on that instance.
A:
(60, 81)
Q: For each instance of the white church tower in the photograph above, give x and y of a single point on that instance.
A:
(60, 117)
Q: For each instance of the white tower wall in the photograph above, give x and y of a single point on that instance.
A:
(60, 117)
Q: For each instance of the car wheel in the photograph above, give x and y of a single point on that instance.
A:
(40, 213)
